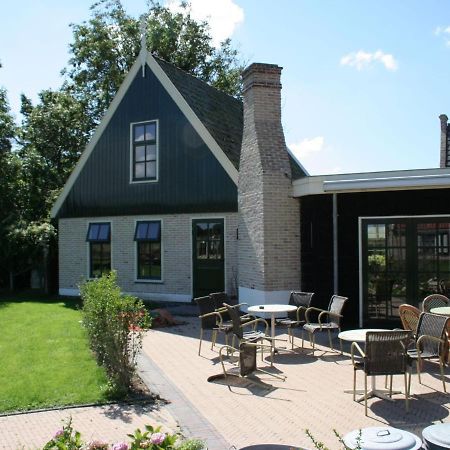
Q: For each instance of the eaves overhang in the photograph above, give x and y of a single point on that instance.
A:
(372, 181)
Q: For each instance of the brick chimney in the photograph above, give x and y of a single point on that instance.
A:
(269, 217)
(445, 157)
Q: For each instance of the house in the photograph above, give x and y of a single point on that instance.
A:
(185, 190)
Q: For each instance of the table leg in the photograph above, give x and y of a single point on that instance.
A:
(374, 392)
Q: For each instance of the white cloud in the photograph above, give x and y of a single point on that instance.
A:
(307, 147)
(441, 30)
(223, 16)
(362, 60)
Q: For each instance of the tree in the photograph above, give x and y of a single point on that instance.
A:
(106, 46)
(7, 126)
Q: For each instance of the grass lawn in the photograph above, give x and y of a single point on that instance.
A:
(45, 358)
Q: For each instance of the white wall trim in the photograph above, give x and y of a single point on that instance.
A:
(173, 298)
(95, 138)
(257, 297)
(196, 123)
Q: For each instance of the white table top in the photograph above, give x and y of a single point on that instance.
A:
(357, 335)
(443, 310)
(271, 308)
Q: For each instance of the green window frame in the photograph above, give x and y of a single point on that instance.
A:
(148, 250)
(99, 239)
(144, 139)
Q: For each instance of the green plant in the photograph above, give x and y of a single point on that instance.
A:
(321, 446)
(192, 444)
(114, 323)
(152, 439)
(65, 438)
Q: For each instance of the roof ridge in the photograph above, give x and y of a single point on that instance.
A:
(158, 58)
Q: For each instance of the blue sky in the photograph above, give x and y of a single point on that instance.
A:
(363, 82)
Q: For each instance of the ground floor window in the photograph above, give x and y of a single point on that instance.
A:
(403, 261)
(99, 239)
(148, 246)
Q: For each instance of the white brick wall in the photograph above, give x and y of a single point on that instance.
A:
(176, 238)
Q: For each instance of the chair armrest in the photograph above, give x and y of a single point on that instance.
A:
(255, 321)
(312, 308)
(329, 313)
(354, 347)
(426, 337)
(300, 308)
(214, 313)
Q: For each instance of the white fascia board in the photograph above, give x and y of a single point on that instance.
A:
(96, 136)
(196, 123)
(372, 181)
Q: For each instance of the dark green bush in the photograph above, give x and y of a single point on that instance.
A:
(114, 323)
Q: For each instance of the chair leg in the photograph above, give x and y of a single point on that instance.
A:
(292, 338)
(406, 392)
(354, 385)
(312, 341)
(365, 393)
(200, 343)
(213, 338)
(226, 338)
(441, 367)
(390, 386)
(418, 369)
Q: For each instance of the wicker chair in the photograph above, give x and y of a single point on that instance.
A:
(247, 364)
(302, 300)
(209, 320)
(219, 299)
(385, 354)
(431, 342)
(434, 301)
(253, 336)
(409, 315)
(328, 320)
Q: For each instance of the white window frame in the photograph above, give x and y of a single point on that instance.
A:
(136, 265)
(132, 124)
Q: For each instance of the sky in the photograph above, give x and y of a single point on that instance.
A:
(363, 82)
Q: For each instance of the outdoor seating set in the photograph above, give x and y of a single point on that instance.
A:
(387, 352)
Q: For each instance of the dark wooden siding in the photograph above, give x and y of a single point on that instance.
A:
(317, 251)
(190, 177)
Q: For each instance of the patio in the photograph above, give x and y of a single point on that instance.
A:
(311, 398)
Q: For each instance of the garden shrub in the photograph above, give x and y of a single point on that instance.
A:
(114, 324)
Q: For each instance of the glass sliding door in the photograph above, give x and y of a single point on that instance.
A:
(403, 261)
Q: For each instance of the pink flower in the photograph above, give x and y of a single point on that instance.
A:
(157, 438)
(58, 433)
(120, 446)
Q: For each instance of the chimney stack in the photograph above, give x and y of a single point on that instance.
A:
(444, 160)
(269, 217)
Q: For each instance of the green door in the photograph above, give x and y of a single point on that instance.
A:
(207, 256)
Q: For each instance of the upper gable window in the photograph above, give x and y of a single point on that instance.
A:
(144, 142)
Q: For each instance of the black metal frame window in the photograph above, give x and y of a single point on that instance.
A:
(99, 238)
(145, 151)
(148, 249)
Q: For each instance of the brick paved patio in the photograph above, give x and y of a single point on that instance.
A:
(312, 397)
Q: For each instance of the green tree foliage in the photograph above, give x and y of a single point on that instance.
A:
(106, 46)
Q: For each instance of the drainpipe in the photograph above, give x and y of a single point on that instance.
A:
(335, 246)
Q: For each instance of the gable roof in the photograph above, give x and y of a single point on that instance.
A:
(217, 117)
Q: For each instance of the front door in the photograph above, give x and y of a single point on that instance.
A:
(207, 256)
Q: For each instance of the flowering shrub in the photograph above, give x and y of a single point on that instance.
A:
(152, 438)
(114, 323)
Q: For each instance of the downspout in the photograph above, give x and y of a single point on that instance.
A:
(335, 245)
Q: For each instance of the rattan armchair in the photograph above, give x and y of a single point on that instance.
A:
(434, 301)
(431, 342)
(409, 315)
(254, 335)
(385, 354)
(210, 320)
(302, 300)
(328, 320)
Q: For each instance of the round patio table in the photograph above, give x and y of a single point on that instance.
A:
(360, 337)
(271, 309)
(442, 310)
